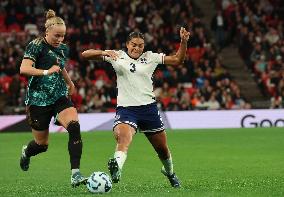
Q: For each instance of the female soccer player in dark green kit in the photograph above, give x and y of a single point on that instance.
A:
(47, 95)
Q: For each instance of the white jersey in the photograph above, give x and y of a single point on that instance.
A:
(134, 77)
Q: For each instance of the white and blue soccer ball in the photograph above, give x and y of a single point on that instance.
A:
(99, 182)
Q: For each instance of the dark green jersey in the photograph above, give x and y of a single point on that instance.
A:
(45, 90)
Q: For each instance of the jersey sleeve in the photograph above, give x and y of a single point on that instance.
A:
(32, 50)
(111, 61)
(158, 58)
(108, 59)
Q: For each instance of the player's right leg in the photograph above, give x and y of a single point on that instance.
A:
(153, 127)
(123, 134)
(68, 118)
(34, 147)
(38, 119)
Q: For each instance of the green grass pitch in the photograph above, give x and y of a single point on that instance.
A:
(225, 162)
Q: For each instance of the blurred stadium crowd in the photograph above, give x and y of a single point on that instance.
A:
(261, 43)
(201, 82)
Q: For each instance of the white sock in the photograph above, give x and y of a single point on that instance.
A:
(120, 157)
(168, 165)
(73, 171)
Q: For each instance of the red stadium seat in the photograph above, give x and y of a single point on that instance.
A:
(100, 72)
(166, 101)
(20, 16)
(14, 27)
(113, 101)
(5, 83)
(3, 28)
(191, 90)
(195, 53)
(2, 19)
(110, 109)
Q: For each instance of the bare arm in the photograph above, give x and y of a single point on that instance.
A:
(68, 81)
(178, 58)
(93, 54)
(66, 77)
(28, 69)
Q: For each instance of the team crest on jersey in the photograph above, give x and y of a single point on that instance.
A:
(143, 60)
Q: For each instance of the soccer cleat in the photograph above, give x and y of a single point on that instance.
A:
(24, 161)
(172, 178)
(114, 170)
(78, 179)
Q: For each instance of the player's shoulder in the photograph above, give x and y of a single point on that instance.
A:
(147, 53)
(64, 47)
(120, 53)
(37, 41)
(151, 54)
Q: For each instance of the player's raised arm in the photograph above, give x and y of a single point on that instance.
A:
(92, 54)
(178, 58)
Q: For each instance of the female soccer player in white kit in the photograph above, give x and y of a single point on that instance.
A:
(136, 105)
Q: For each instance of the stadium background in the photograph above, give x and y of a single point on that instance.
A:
(235, 64)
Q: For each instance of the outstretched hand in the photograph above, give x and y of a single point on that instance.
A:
(184, 35)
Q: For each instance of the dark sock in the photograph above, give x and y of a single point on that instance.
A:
(75, 144)
(34, 149)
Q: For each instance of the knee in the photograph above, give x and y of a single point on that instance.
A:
(123, 136)
(73, 129)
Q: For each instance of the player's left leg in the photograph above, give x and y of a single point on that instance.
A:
(159, 142)
(124, 128)
(38, 118)
(68, 118)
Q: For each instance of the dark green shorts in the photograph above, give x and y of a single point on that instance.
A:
(39, 117)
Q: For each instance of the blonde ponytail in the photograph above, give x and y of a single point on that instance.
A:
(49, 14)
(52, 19)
